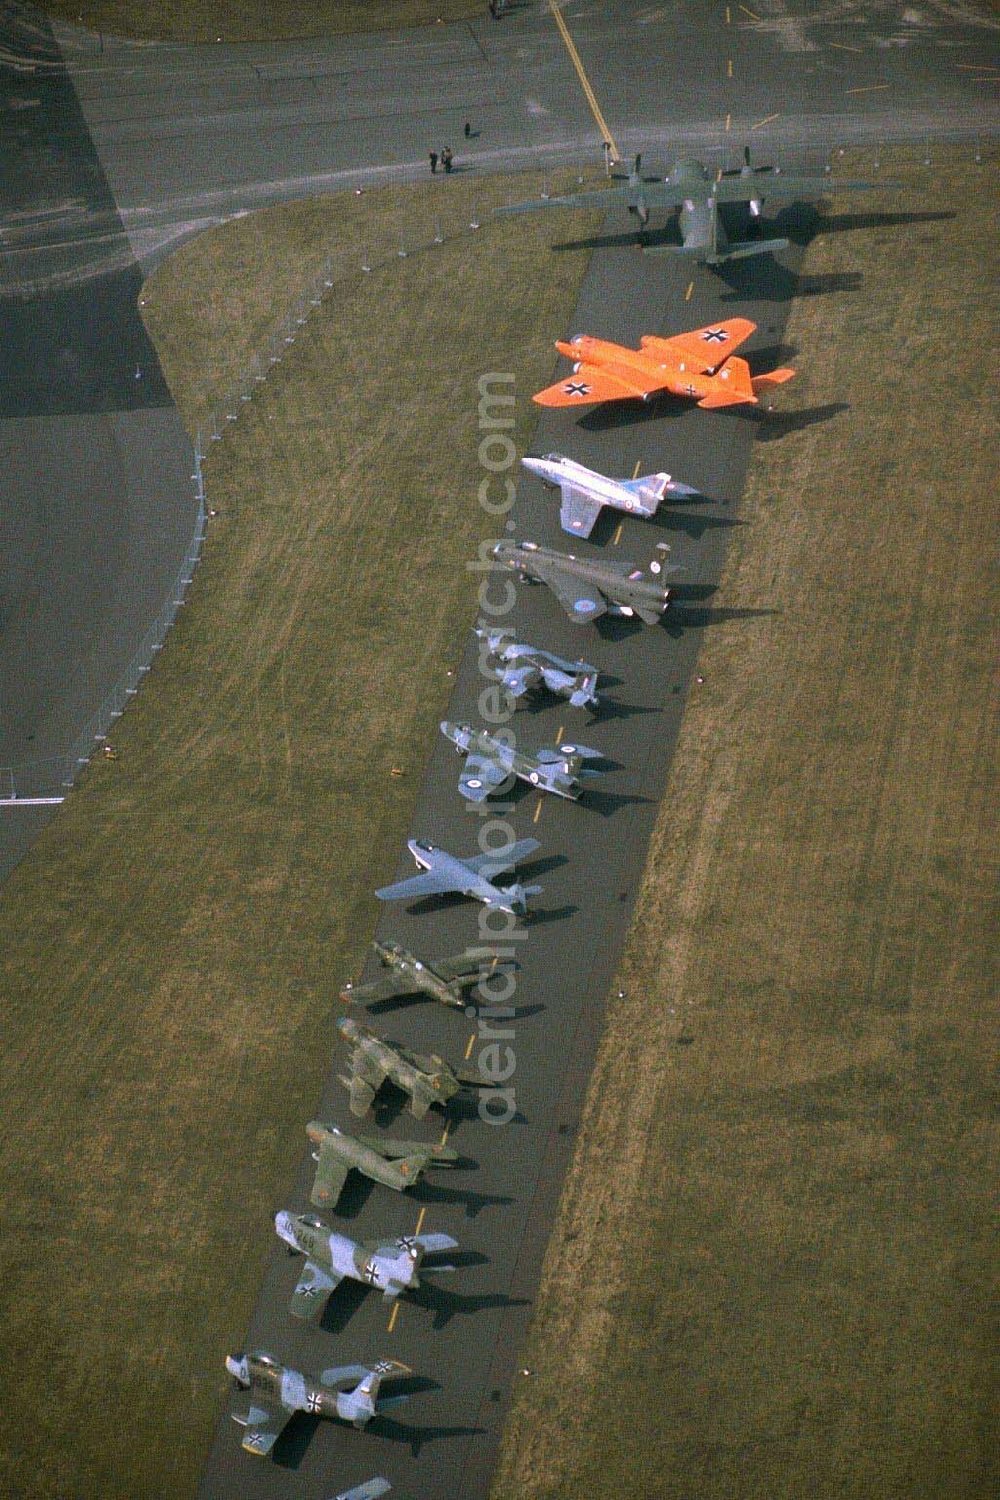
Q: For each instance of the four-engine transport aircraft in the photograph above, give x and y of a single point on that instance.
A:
(396, 1164)
(698, 364)
(699, 192)
(584, 493)
(588, 587)
(521, 667)
(277, 1393)
(490, 762)
(443, 979)
(391, 1263)
(372, 1060)
(443, 874)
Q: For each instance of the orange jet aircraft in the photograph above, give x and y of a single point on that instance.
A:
(697, 364)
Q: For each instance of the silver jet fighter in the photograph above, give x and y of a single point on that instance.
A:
(585, 493)
(390, 1264)
(443, 873)
(491, 761)
(590, 587)
(520, 667)
(443, 979)
(277, 1393)
(427, 1079)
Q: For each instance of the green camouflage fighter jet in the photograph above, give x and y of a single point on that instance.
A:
(276, 1393)
(396, 1164)
(428, 1080)
(443, 979)
(588, 587)
(698, 193)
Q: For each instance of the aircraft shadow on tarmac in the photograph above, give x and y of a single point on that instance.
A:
(405, 1432)
(446, 1304)
(606, 804)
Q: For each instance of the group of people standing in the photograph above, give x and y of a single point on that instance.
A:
(445, 157)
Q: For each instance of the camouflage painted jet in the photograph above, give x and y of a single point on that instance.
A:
(521, 667)
(428, 1080)
(590, 587)
(350, 1393)
(699, 193)
(490, 762)
(391, 1264)
(444, 873)
(699, 364)
(584, 493)
(396, 1164)
(443, 979)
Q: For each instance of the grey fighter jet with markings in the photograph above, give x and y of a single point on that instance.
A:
(443, 979)
(392, 1263)
(443, 874)
(521, 667)
(698, 193)
(584, 493)
(490, 762)
(276, 1393)
(396, 1164)
(590, 587)
(427, 1079)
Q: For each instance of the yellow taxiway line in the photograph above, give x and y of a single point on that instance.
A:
(420, 1220)
(766, 121)
(393, 1316)
(869, 88)
(471, 1044)
(591, 97)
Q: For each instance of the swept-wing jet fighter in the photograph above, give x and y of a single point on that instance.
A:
(521, 667)
(396, 1164)
(443, 979)
(444, 873)
(391, 1263)
(699, 193)
(590, 587)
(277, 1393)
(490, 761)
(585, 493)
(699, 364)
(428, 1080)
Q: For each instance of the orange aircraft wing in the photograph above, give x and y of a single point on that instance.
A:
(589, 384)
(707, 347)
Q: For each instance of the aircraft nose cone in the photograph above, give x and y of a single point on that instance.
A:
(283, 1224)
(236, 1365)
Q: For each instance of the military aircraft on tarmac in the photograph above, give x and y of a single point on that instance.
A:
(428, 1080)
(699, 193)
(392, 1263)
(490, 762)
(521, 667)
(585, 493)
(590, 587)
(443, 873)
(371, 1489)
(698, 364)
(277, 1393)
(396, 1164)
(443, 979)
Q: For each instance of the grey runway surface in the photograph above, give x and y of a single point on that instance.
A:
(465, 1338)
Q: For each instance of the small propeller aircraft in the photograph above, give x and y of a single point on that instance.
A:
(521, 668)
(350, 1392)
(699, 364)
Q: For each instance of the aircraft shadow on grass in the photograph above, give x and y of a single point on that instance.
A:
(686, 618)
(772, 426)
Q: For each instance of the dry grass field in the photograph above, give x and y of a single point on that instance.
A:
(774, 1269)
(252, 21)
(173, 943)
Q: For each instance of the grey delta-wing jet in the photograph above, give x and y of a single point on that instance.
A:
(396, 1164)
(372, 1061)
(443, 873)
(391, 1263)
(520, 667)
(276, 1393)
(584, 493)
(443, 979)
(490, 761)
(698, 193)
(590, 587)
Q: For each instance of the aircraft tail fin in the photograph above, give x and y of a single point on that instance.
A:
(732, 385)
(771, 379)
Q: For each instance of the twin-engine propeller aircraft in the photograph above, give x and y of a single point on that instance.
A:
(584, 493)
(277, 1393)
(699, 193)
(521, 668)
(699, 364)
(392, 1263)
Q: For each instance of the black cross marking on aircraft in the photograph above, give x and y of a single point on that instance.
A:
(715, 336)
(576, 388)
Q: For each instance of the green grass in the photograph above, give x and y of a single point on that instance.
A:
(252, 21)
(775, 1259)
(174, 941)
